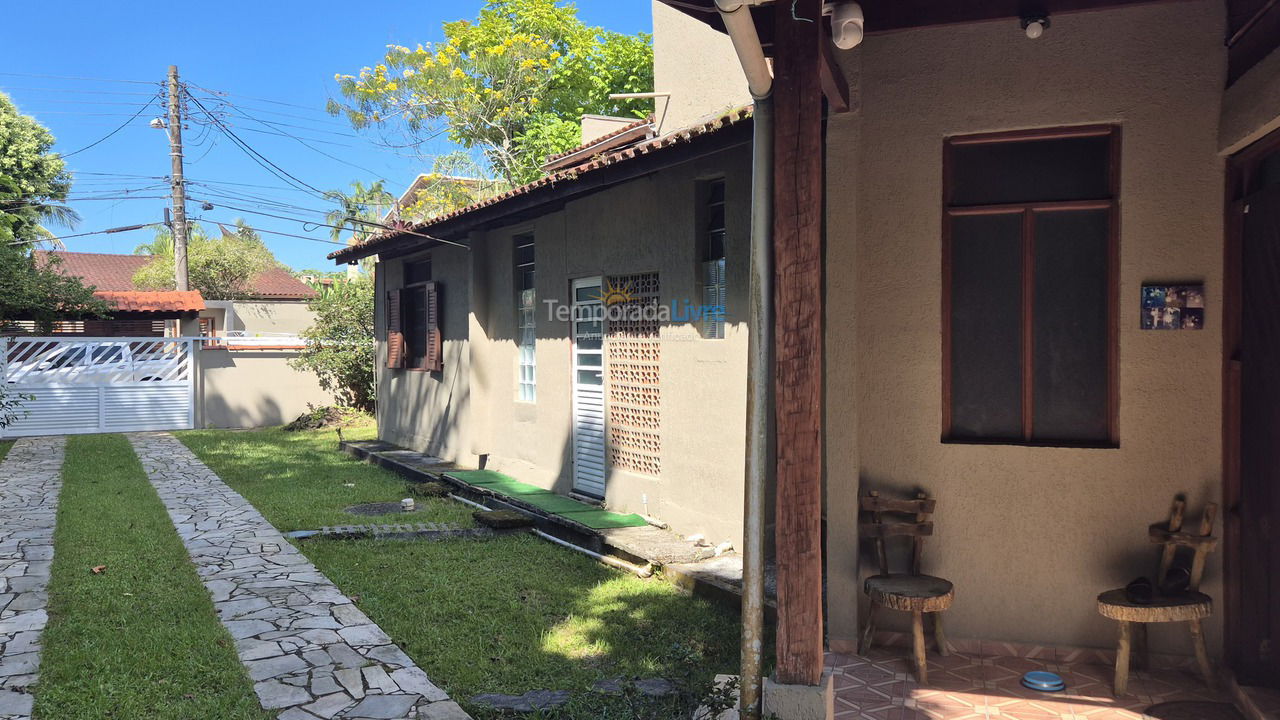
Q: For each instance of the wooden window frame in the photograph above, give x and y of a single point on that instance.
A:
(1028, 212)
(433, 361)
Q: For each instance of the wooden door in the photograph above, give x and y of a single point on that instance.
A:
(1254, 544)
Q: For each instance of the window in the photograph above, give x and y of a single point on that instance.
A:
(413, 321)
(712, 261)
(526, 303)
(1029, 256)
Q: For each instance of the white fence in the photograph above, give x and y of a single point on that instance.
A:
(90, 385)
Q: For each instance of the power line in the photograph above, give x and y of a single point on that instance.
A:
(380, 226)
(79, 92)
(257, 156)
(87, 79)
(276, 232)
(113, 132)
(83, 234)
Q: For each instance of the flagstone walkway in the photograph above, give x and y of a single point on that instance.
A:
(310, 652)
(30, 479)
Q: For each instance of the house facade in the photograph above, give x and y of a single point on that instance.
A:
(998, 213)
(243, 378)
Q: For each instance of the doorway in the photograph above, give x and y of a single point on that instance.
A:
(1251, 452)
(588, 387)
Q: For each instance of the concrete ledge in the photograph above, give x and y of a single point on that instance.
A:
(800, 702)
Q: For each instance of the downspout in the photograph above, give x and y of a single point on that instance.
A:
(746, 42)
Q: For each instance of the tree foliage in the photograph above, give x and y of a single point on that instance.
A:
(33, 179)
(512, 84)
(34, 289)
(357, 209)
(221, 267)
(340, 347)
(455, 181)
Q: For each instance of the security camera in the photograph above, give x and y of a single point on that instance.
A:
(847, 24)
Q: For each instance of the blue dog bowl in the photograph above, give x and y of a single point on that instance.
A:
(1044, 681)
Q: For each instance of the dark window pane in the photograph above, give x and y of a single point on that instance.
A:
(524, 250)
(1031, 171)
(415, 325)
(715, 246)
(526, 279)
(986, 327)
(1070, 328)
(715, 192)
(418, 271)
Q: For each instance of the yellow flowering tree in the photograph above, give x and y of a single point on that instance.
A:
(511, 84)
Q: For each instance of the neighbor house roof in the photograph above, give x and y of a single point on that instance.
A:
(114, 273)
(165, 301)
(546, 188)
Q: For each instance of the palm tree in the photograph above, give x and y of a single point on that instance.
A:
(367, 204)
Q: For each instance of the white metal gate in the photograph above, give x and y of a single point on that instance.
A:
(588, 388)
(91, 385)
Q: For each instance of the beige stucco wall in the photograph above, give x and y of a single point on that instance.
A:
(614, 232)
(1029, 535)
(697, 65)
(253, 388)
(1251, 106)
(429, 411)
(277, 316)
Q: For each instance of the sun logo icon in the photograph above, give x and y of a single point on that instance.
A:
(614, 294)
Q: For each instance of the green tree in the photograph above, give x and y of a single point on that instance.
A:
(513, 84)
(34, 289)
(340, 344)
(357, 208)
(33, 180)
(221, 267)
(456, 180)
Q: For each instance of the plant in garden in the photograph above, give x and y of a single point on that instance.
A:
(340, 344)
(11, 406)
(511, 84)
(221, 267)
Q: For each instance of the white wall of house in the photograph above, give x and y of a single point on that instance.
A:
(697, 66)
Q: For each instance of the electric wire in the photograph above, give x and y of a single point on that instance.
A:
(142, 109)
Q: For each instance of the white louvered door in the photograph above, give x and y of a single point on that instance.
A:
(588, 388)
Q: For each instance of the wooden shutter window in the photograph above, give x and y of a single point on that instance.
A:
(395, 331)
(433, 360)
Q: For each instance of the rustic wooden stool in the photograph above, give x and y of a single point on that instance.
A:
(1190, 607)
(909, 592)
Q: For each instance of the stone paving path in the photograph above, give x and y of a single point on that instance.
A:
(30, 479)
(310, 652)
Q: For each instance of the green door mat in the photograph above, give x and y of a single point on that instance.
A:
(588, 515)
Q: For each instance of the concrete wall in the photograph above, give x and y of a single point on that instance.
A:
(697, 66)
(614, 232)
(1251, 107)
(253, 388)
(1028, 534)
(277, 316)
(429, 411)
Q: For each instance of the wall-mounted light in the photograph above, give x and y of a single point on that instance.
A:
(847, 23)
(1034, 26)
(157, 123)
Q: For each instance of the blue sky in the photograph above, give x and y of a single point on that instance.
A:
(262, 54)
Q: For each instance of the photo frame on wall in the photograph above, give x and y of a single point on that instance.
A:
(1172, 307)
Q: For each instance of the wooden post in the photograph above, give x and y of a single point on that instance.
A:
(798, 283)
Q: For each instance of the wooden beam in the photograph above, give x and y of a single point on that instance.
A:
(834, 84)
(798, 341)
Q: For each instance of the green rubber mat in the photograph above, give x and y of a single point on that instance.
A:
(592, 517)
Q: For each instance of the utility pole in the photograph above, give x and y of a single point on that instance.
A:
(179, 226)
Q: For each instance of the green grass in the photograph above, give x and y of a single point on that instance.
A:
(298, 480)
(505, 615)
(4, 448)
(140, 640)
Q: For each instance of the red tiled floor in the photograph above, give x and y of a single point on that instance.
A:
(963, 686)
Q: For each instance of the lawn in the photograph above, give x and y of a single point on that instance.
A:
(139, 640)
(299, 480)
(503, 615)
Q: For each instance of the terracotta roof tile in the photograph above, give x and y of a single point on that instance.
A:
(551, 159)
(114, 273)
(153, 301)
(566, 175)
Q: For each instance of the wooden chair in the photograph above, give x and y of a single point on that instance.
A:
(909, 592)
(1190, 607)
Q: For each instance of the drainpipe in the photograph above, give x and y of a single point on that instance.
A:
(746, 42)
